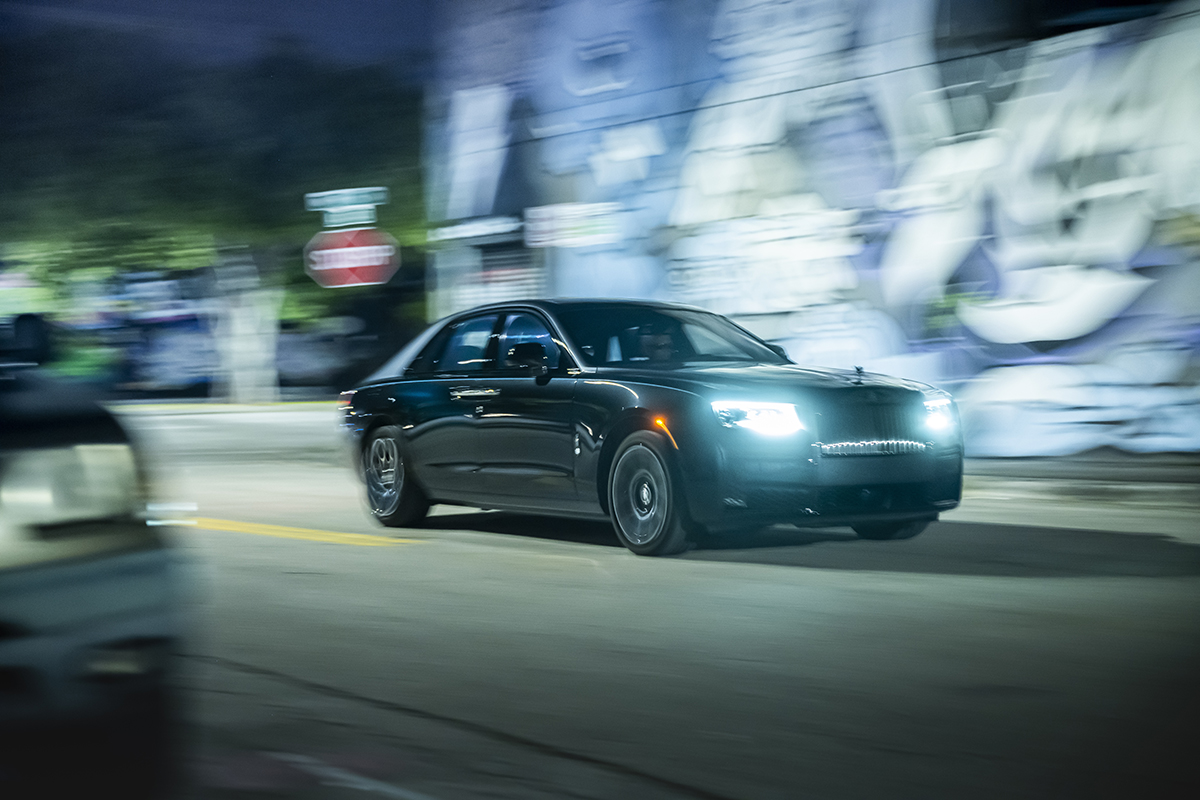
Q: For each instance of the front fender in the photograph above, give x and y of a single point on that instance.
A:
(608, 411)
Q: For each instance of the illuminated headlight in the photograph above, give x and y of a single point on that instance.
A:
(939, 412)
(67, 484)
(769, 419)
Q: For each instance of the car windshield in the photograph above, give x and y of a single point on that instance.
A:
(636, 335)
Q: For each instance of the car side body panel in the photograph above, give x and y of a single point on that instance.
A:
(526, 441)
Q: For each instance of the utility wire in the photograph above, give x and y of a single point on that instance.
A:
(1165, 18)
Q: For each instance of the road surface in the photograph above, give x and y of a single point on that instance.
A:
(1040, 642)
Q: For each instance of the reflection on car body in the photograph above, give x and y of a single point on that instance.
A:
(670, 421)
(88, 618)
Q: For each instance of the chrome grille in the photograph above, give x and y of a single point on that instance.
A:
(884, 447)
(870, 429)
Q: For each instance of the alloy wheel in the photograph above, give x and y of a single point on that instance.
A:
(640, 502)
(385, 475)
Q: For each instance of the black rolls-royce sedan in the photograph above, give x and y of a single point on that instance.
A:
(668, 420)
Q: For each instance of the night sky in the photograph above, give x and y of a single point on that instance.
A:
(349, 31)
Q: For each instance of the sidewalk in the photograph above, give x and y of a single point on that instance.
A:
(1104, 464)
(177, 407)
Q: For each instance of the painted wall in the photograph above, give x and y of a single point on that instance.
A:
(1016, 220)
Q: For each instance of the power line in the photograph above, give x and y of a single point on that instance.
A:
(1163, 19)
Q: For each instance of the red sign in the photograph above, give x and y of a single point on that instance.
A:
(351, 258)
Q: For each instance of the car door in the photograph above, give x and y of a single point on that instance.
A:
(527, 431)
(443, 402)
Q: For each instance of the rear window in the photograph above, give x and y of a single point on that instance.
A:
(465, 348)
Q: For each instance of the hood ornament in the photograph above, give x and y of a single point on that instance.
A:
(858, 374)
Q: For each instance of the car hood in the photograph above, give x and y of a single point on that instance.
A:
(765, 380)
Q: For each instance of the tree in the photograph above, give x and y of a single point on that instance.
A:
(117, 157)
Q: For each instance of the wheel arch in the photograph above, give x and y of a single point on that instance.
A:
(636, 419)
(380, 421)
(377, 422)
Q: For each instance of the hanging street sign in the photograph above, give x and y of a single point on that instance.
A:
(345, 207)
(573, 225)
(360, 257)
(358, 216)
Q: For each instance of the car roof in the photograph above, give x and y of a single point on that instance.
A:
(551, 304)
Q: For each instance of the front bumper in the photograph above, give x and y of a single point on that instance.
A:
(800, 485)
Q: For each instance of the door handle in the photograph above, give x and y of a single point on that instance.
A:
(471, 393)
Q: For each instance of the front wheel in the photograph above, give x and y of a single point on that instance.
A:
(642, 500)
(395, 500)
(891, 530)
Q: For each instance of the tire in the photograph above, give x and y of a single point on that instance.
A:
(394, 499)
(643, 502)
(891, 530)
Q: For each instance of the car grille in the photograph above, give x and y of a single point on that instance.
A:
(862, 429)
(885, 447)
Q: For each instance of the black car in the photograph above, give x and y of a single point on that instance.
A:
(668, 420)
(89, 609)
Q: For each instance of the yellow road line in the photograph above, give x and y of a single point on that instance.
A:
(307, 534)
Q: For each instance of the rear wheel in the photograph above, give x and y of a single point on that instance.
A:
(395, 500)
(643, 503)
(891, 530)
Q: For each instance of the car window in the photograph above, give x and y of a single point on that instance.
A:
(522, 328)
(704, 342)
(657, 341)
(643, 335)
(467, 344)
(426, 360)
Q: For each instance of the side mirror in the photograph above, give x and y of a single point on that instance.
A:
(529, 356)
(778, 350)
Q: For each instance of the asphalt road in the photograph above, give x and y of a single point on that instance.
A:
(1039, 642)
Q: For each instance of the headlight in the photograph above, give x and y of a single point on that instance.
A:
(939, 411)
(69, 484)
(769, 419)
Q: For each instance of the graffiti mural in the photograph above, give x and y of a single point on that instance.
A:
(1016, 219)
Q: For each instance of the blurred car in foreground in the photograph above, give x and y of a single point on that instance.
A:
(668, 420)
(88, 618)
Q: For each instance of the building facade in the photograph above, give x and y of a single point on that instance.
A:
(1005, 206)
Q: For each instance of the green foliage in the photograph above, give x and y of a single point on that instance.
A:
(117, 157)
(95, 251)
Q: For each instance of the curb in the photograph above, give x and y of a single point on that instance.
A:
(1092, 493)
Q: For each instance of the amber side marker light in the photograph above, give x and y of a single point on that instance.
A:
(662, 423)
